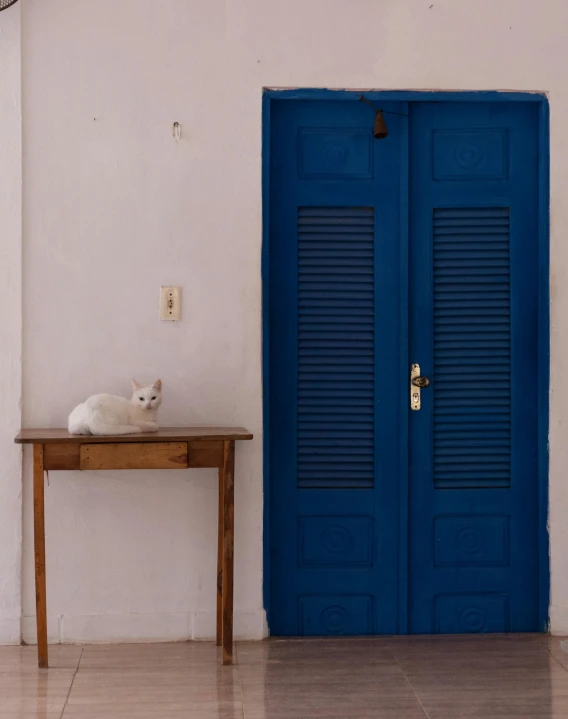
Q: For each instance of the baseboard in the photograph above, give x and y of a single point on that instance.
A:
(110, 628)
(559, 621)
(247, 625)
(10, 632)
(29, 633)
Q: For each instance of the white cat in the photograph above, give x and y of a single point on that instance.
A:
(107, 414)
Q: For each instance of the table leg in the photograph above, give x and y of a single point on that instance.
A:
(220, 533)
(228, 472)
(39, 550)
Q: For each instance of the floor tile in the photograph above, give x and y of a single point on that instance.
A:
(165, 711)
(333, 713)
(306, 651)
(517, 676)
(19, 659)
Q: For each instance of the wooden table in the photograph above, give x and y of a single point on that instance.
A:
(171, 448)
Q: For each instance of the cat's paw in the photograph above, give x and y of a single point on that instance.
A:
(148, 427)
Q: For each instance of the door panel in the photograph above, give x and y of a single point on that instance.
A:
(335, 364)
(473, 329)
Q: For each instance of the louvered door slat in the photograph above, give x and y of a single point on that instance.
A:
(472, 348)
(336, 347)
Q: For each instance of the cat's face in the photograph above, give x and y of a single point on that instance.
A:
(148, 397)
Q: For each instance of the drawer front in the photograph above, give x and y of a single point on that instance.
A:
(139, 455)
(205, 454)
(61, 456)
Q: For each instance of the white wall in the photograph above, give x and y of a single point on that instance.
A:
(114, 207)
(10, 327)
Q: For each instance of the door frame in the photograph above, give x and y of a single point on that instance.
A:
(272, 96)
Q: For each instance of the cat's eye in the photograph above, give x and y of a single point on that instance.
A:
(141, 399)
(153, 398)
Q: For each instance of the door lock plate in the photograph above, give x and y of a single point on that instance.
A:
(414, 389)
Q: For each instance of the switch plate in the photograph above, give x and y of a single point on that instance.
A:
(170, 303)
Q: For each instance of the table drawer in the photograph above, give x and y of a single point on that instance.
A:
(205, 454)
(139, 455)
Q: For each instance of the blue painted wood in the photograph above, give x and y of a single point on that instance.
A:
(470, 613)
(403, 257)
(335, 371)
(339, 615)
(473, 329)
(325, 577)
(471, 319)
(543, 356)
(336, 344)
(266, 423)
(493, 96)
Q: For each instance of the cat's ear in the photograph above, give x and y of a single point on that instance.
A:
(158, 385)
(136, 385)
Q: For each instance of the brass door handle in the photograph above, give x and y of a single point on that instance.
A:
(420, 382)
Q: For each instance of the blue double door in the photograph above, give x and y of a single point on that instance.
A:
(395, 508)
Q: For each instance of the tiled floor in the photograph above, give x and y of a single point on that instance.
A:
(520, 677)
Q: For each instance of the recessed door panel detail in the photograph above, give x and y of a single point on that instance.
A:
(335, 541)
(471, 540)
(329, 154)
(336, 615)
(471, 613)
(470, 155)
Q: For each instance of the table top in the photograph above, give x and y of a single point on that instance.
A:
(166, 434)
